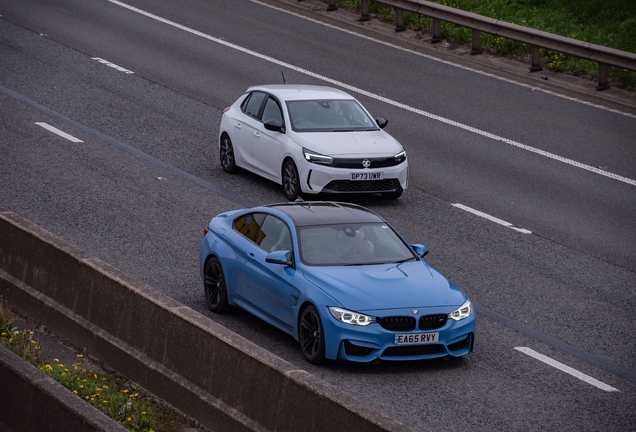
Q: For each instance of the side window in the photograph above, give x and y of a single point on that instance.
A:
(250, 226)
(272, 111)
(252, 105)
(274, 235)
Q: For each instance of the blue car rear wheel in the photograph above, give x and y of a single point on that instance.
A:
(214, 286)
(311, 335)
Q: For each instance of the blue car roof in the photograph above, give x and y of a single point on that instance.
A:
(326, 213)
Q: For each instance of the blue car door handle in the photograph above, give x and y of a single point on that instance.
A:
(251, 256)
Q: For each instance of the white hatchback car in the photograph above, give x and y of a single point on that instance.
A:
(311, 139)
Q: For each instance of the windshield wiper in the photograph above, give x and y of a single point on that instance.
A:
(404, 260)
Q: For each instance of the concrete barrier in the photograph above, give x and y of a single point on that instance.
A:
(31, 401)
(213, 375)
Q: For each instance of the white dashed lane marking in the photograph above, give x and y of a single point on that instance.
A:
(567, 369)
(59, 132)
(113, 65)
(491, 218)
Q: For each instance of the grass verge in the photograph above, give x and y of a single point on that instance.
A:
(594, 21)
(132, 409)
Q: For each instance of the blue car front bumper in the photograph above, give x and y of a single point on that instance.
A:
(373, 342)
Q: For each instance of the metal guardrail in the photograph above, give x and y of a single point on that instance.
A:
(537, 39)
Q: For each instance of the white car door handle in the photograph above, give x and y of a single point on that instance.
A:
(257, 134)
(238, 125)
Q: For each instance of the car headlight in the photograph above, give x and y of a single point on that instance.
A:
(464, 311)
(317, 158)
(400, 157)
(352, 318)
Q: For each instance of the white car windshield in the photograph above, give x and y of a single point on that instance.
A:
(329, 116)
(352, 244)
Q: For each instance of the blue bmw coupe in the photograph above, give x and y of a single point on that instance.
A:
(338, 278)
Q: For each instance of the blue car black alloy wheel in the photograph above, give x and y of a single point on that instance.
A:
(214, 286)
(311, 336)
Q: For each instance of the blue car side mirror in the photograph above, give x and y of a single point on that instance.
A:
(420, 249)
(279, 257)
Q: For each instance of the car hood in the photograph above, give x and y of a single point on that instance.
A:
(386, 286)
(350, 144)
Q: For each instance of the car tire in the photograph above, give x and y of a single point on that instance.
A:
(214, 286)
(291, 180)
(311, 335)
(226, 155)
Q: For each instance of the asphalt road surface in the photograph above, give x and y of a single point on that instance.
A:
(139, 88)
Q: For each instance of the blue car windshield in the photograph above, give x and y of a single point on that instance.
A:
(329, 116)
(352, 244)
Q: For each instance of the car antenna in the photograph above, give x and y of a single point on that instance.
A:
(284, 82)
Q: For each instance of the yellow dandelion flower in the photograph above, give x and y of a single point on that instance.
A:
(80, 356)
(129, 418)
(95, 375)
(105, 401)
(55, 360)
(98, 389)
(81, 386)
(10, 339)
(75, 391)
(124, 391)
(33, 342)
(105, 387)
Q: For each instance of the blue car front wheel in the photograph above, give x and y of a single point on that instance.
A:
(214, 286)
(311, 335)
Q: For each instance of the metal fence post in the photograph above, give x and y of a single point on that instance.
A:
(476, 43)
(603, 73)
(536, 56)
(476, 40)
(332, 5)
(364, 5)
(536, 59)
(437, 31)
(399, 20)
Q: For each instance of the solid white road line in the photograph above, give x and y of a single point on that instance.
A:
(446, 62)
(59, 132)
(555, 364)
(491, 218)
(377, 97)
